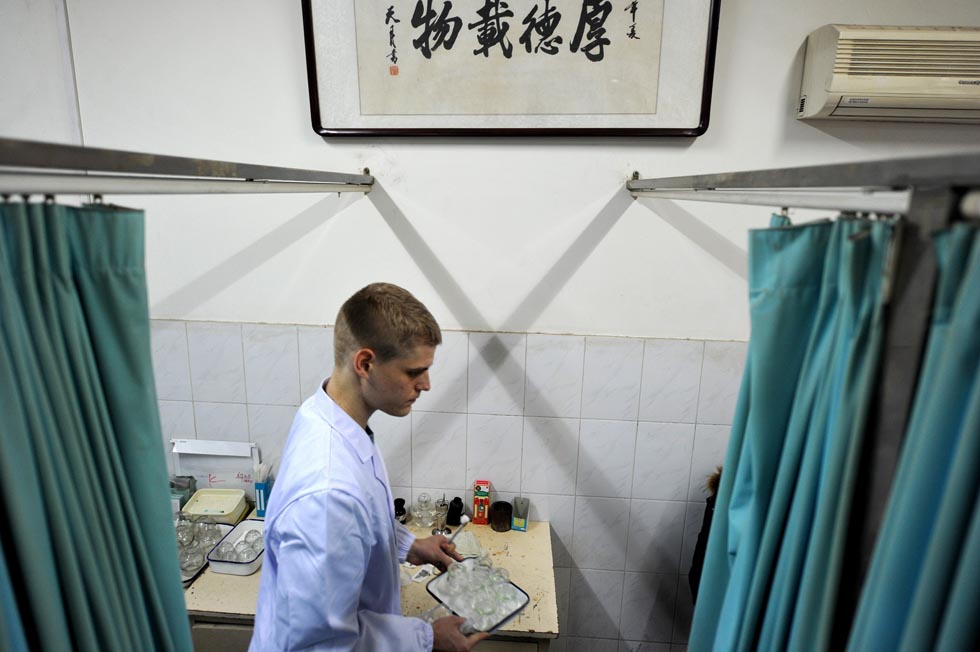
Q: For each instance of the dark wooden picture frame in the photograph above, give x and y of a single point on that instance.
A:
(340, 89)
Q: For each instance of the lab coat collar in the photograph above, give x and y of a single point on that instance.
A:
(359, 439)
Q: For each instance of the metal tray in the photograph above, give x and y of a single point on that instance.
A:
(434, 587)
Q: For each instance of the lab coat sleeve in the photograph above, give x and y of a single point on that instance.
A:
(404, 538)
(326, 538)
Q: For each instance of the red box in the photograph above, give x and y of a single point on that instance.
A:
(481, 502)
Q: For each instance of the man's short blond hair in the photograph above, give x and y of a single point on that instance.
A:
(386, 319)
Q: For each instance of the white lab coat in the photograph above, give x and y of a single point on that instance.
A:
(330, 579)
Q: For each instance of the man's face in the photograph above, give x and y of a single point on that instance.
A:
(393, 386)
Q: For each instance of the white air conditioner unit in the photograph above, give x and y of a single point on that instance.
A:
(910, 74)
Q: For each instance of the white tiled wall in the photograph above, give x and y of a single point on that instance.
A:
(610, 439)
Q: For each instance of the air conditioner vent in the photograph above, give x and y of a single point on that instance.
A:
(908, 58)
(892, 72)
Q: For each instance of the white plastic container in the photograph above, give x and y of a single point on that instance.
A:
(233, 537)
(223, 505)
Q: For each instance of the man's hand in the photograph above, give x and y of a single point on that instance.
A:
(435, 550)
(446, 636)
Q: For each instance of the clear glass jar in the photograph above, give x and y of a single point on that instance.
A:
(424, 513)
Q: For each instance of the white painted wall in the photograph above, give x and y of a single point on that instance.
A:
(516, 234)
(37, 86)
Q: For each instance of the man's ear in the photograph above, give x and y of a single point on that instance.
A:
(363, 359)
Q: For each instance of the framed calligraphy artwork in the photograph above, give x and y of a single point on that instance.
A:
(510, 67)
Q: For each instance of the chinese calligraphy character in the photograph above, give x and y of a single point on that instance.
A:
(492, 29)
(632, 10)
(594, 14)
(544, 27)
(441, 31)
(390, 20)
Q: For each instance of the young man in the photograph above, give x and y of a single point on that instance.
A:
(330, 580)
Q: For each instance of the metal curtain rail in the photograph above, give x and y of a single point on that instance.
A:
(894, 174)
(889, 201)
(871, 186)
(14, 183)
(48, 168)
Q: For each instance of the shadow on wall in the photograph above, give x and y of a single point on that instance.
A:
(224, 274)
(429, 264)
(692, 228)
(558, 549)
(591, 594)
(652, 618)
(545, 290)
(663, 610)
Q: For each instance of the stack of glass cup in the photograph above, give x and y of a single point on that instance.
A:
(480, 593)
(246, 549)
(196, 536)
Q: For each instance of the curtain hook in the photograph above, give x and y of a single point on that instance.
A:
(49, 200)
(5, 198)
(97, 199)
(784, 211)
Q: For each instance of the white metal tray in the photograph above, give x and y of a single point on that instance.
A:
(233, 537)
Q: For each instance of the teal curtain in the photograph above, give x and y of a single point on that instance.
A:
(923, 587)
(774, 554)
(89, 556)
(11, 628)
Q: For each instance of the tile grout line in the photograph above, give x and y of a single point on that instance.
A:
(636, 445)
(411, 460)
(687, 507)
(190, 377)
(571, 557)
(622, 596)
(677, 599)
(299, 367)
(697, 415)
(466, 405)
(581, 409)
(248, 426)
(523, 415)
(629, 515)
